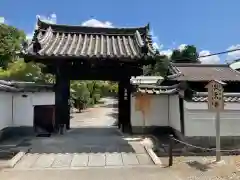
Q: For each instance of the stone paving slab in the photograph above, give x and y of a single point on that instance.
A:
(129, 159)
(62, 160)
(27, 161)
(144, 159)
(96, 160)
(80, 160)
(114, 159)
(44, 161)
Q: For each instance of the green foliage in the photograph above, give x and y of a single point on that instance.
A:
(80, 92)
(188, 55)
(159, 69)
(88, 93)
(10, 44)
(21, 71)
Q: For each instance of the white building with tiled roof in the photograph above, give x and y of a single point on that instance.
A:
(19, 102)
(181, 106)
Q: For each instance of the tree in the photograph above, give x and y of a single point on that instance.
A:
(160, 68)
(188, 55)
(10, 43)
(21, 71)
(79, 94)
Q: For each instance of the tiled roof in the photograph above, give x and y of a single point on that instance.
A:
(152, 89)
(16, 86)
(90, 42)
(228, 97)
(206, 72)
(7, 88)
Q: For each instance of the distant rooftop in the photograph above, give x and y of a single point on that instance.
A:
(206, 72)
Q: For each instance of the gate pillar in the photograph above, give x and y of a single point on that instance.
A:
(61, 99)
(125, 105)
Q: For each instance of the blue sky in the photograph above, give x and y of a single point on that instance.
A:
(212, 26)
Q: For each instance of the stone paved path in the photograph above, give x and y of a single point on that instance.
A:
(92, 159)
(92, 142)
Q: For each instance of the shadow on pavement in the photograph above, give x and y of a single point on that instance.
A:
(199, 166)
(80, 140)
(114, 115)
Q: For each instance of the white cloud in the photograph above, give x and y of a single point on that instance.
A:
(235, 55)
(208, 60)
(155, 39)
(2, 20)
(182, 46)
(52, 18)
(97, 23)
(167, 52)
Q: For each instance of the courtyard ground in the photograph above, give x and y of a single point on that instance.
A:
(95, 149)
(93, 141)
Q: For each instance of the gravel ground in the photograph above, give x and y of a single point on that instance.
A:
(198, 167)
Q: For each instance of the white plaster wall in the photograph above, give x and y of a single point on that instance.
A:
(24, 106)
(201, 122)
(43, 98)
(5, 109)
(157, 114)
(22, 110)
(174, 112)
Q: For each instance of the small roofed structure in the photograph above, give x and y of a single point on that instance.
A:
(91, 53)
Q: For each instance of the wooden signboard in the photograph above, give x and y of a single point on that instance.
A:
(215, 95)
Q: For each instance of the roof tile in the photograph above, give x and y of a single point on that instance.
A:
(80, 41)
(206, 72)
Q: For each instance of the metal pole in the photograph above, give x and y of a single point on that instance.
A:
(218, 141)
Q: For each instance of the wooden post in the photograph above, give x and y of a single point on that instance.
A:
(57, 100)
(218, 139)
(125, 105)
(120, 104)
(61, 99)
(216, 104)
(128, 105)
(68, 107)
(170, 150)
